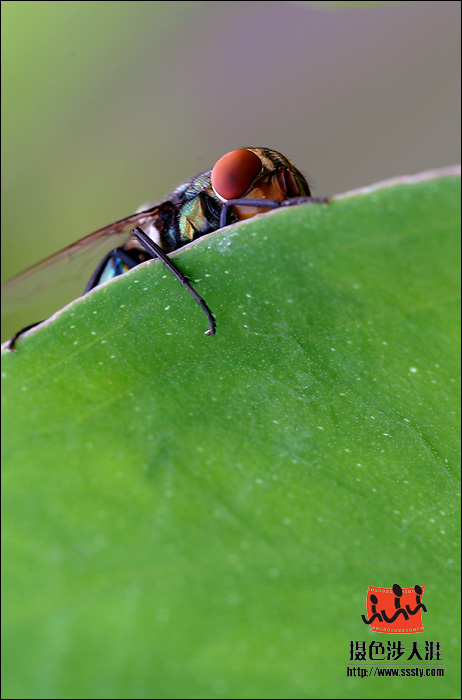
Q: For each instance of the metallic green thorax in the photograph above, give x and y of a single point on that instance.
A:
(197, 212)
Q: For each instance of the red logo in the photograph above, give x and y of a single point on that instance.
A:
(395, 610)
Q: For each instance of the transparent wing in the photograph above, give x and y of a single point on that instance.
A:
(45, 287)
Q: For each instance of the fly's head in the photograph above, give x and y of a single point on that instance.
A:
(256, 174)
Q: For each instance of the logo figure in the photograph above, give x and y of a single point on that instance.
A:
(394, 610)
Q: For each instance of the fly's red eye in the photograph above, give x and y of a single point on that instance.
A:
(233, 174)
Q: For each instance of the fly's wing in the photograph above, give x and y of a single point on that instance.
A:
(33, 295)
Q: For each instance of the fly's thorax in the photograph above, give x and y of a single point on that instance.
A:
(192, 187)
(199, 215)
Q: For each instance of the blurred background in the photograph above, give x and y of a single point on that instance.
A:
(107, 105)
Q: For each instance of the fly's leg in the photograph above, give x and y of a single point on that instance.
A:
(11, 344)
(129, 258)
(267, 203)
(157, 252)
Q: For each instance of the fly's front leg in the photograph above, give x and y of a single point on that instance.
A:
(303, 200)
(267, 203)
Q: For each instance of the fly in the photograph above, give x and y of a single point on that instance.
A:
(241, 184)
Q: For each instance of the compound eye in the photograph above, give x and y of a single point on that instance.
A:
(233, 174)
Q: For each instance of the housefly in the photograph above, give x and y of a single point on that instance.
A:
(241, 184)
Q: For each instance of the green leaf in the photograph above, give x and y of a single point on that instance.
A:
(191, 516)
